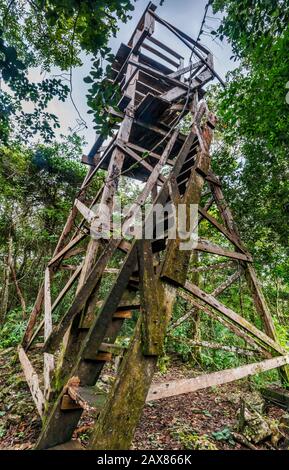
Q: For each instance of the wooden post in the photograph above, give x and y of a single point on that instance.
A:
(48, 358)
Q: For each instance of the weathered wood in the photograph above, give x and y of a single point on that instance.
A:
(88, 398)
(242, 322)
(218, 346)
(160, 54)
(157, 74)
(123, 314)
(87, 213)
(33, 317)
(227, 283)
(99, 356)
(208, 247)
(215, 293)
(278, 397)
(179, 387)
(67, 248)
(259, 301)
(258, 297)
(68, 403)
(152, 179)
(163, 46)
(140, 160)
(213, 267)
(151, 308)
(32, 380)
(188, 68)
(48, 358)
(176, 263)
(230, 236)
(227, 324)
(81, 297)
(67, 287)
(117, 421)
(59, 426)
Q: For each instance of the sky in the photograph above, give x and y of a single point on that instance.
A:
(185, 15)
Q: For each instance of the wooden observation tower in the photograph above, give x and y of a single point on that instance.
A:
(159, 87)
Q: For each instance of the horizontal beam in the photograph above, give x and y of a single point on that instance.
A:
(180, 387)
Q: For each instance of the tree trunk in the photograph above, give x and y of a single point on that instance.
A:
(6, 277)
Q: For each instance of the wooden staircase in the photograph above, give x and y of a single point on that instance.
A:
(158, 89)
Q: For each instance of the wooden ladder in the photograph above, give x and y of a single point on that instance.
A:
(152, 271)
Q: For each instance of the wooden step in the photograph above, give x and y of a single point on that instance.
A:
(111, 348)
(87, 398)
(70, 445)
(122, 314)
(102, 356)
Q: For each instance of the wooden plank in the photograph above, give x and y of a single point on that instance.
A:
(227, 283)
(208, 247)
(176, 262)
(227, 324)
(133, 381)
(48, 358)
(32, 380)
(152, 334)
(178, 92)
(180, 387)
(258, 297)
(229, 235)
(151, 181)
(60, 296)
(47, 304)
(235, 317)
(215, 293)
(123, 314)
(69, 404)
(87, 213)
(181, 34)
(90, 161)
(101, 356)
(213, 267)
(188, 68)
(151, 154)
(82, 296)
(67, 248)
(196, 45)
(65, 232)
(159, 54)
(140, 160)
(67, 286)
(87, 397)
(159, 75)
(217, 346)
(163, 46)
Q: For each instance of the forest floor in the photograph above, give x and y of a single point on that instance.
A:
(206, 419)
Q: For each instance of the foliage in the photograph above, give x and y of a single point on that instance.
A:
(190, 439)
(47, 34)
(38, 187)
(224, 435)
(13, 329)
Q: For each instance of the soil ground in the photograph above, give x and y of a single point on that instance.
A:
(165, 424)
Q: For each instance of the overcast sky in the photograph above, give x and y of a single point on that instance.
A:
(185, 14)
